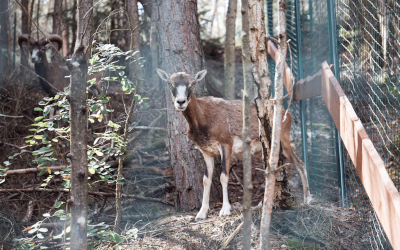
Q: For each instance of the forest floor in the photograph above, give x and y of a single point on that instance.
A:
(147, 172)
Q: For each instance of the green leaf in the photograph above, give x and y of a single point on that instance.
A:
(58, 204)
(115, 237)
(7, 163)
(46, 215)
(54, 140)
(92, 170)
(43, 230)
(99, 153)
(42, 171)
(38, 109)
(68, 229)
(38, 137)
(136, 97)
(38, 118)
(33, 230)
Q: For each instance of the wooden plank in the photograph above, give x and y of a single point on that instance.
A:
(303, 89)
(380, 189)
(307, 88)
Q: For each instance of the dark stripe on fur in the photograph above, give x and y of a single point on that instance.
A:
(223, 161)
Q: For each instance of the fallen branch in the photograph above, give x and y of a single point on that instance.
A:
(11, 116)
(48, 190)
(232, 236)
(31, 170)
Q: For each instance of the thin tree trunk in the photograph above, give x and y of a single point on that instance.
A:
(118, 190)
(57, 15)
(181, 51)
(37, 20)
(79, 172)
(276, 131)
(230, 55)
(213, 17)
(134, 20)
(247, 95)
(24, 29)
(74, 26)
(154, 47)
(65, 32)
(4, 16)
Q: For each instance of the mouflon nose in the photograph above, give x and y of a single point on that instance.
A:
(181, 102)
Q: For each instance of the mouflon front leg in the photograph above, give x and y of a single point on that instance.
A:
(226, 153)
(207, 179)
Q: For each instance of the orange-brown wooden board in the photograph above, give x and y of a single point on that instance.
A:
(380, 189)
(303, 89)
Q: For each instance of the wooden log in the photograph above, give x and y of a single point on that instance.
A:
(371, 168)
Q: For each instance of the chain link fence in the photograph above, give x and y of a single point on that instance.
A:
(361, 38)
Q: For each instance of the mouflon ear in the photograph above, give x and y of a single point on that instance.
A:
(163, 75)
(200, 75)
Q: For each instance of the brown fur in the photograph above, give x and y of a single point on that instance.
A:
(215, 126)
(54, 73)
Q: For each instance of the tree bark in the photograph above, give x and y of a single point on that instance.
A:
(230, 55)
(65, 32)
(135, 37)
(74, 27)
(57, 14)
(247, 95)
(154, 47)
(24, 29)
(181, 51)
(4, 50)
(276, 131)
(79, 173)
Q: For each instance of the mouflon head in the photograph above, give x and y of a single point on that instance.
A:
(181, 85)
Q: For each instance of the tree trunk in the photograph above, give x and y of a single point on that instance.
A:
(79, 172)
(4, 50)
(276, 130)
(24, 29)
(57, 14)
(181, 51)
(74, 26)
(135, 37)
(247, 96)
(213, 17)
(154, 48)
(37, 19)
(230, 55)
(65, 32)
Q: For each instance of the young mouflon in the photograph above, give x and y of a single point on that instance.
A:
(215, 127)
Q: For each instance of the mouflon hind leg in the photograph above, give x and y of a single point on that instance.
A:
(292, 157)
(226, 152)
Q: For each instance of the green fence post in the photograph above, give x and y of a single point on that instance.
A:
(303, 117)
(335, 59)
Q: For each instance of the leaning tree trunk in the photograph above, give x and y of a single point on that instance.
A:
(230, 55)
(79, 173)
(276, 131)
(57, 14)
(181, 51)
(247, 95)
(4, 14)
